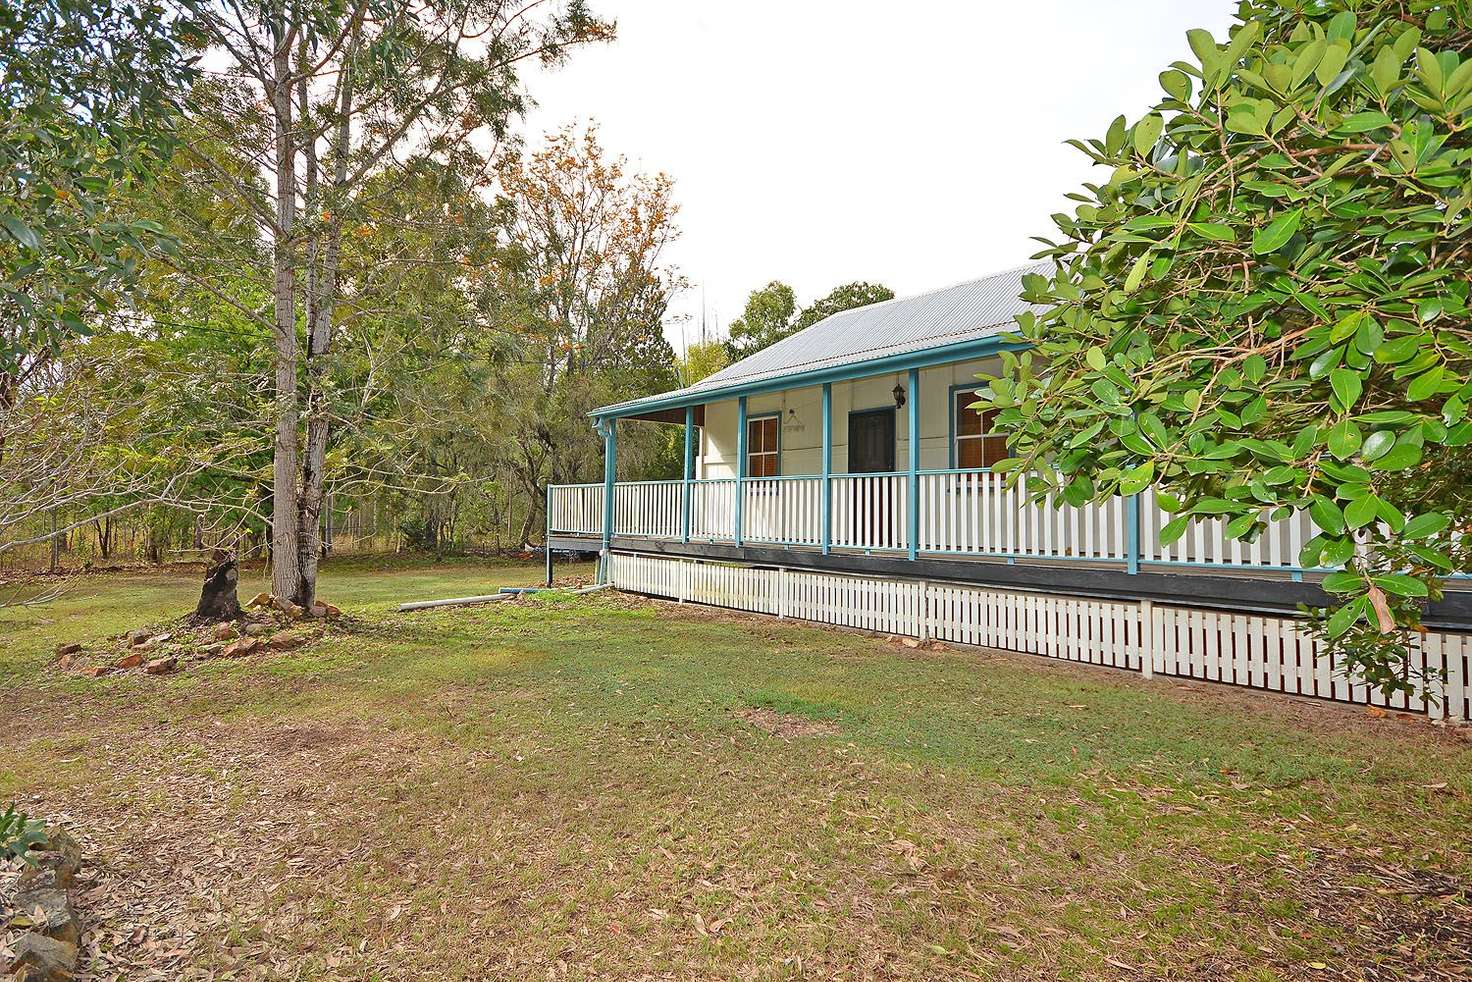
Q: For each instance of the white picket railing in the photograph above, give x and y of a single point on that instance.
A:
(576, 508)
(975, 513)
(1206, 544)
(649, 508)
(870, 511)
(713, 510)
(960, 512)
(786, 510)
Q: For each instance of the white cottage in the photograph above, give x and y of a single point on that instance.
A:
(841, 476)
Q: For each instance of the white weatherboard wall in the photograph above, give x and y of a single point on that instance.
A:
(1251, 650)
(802, 420)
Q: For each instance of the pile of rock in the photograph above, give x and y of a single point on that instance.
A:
(46, 950)
(267, 625)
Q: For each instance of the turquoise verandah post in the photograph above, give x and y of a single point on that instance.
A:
(685, 491)
(912, 498)
(609, 429)
(827, 503)
(740, 463)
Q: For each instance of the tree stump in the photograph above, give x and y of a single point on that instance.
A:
(217, 600)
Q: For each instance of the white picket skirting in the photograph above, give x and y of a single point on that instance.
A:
(1251, 650)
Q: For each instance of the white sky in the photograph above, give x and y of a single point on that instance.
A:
(817, 142)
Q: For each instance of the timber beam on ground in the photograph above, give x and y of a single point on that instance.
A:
(1254, 592)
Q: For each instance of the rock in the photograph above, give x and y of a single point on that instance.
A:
(937, 646)
(287, 640)
(261, 600)
(318, 611)
(62, 650)
(131, 660)
(290, 609)
(910, 642)
(329, 611)
(95, 671)
(242, 647)
(62, 851)
(224, 632)
(50, 913)
(136, 638)
(64, 662)
(162, 666)
(162, 638)
(256, 629)
(38, 958)
(211, 650)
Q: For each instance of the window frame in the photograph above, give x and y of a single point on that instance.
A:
(775, 454)
(956, 435)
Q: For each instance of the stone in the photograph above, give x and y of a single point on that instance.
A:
(64, 663)
(910, 642)
(136, 638)
(95, 671)
(290, 609)
(131, 660)
(162, 666)
(211, 650)
(260, 600)
(50, 913)
(224, 632)
(62, 650)
(38, 958)
(61, 854)
(287, 640)
(242, 647)
(164, 638)
(256, 629)
(329, 611)
(318, 611)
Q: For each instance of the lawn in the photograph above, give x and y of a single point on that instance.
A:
(590, 788)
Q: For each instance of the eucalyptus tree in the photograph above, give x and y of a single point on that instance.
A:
(319, 98)
(1263, 306)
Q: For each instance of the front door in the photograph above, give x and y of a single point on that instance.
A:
(871, 450)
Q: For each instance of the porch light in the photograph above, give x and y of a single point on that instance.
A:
(899, 396)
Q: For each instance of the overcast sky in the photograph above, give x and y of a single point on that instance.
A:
(914, 144)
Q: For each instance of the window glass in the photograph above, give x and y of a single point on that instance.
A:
(976, 446)
(762, 449)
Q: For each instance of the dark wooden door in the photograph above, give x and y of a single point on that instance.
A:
(871, 450)
(871, 441)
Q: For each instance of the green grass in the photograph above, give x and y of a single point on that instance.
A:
(565, 787)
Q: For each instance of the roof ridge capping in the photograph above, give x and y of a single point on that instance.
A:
(898, 326)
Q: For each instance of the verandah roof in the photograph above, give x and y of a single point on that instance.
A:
(945, 318)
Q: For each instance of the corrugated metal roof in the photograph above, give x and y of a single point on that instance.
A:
(965, 312)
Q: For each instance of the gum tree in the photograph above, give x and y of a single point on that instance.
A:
(1264, 307)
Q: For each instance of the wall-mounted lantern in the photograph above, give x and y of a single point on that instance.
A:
(899, 396)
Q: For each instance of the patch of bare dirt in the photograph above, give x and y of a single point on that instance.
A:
(786, 725)
(1419, 922)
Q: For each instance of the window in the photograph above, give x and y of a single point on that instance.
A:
(976, 445)
(763, 436)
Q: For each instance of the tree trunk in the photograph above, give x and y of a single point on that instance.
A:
(286, 573)
(218, 600)
(321, 303)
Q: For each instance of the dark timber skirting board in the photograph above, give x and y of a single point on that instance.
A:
(1254, 593)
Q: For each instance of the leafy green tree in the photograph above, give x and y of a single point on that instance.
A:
(702, 360)
(89, 116)
(322, 97)
(769, 316)
(845, 297)
(1264, 306)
